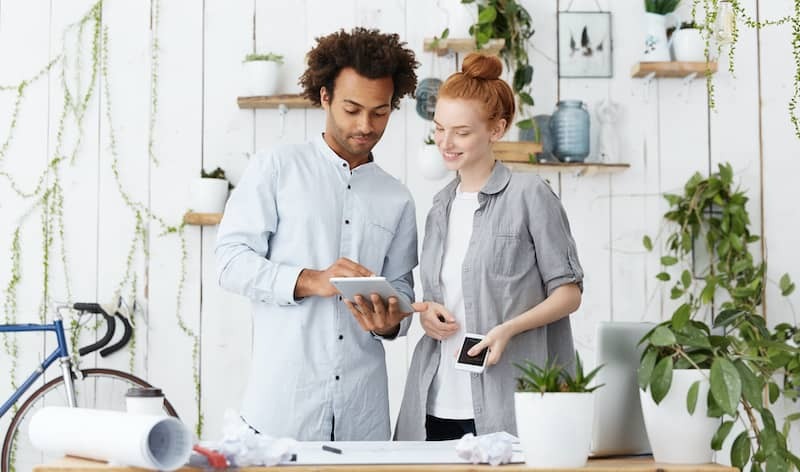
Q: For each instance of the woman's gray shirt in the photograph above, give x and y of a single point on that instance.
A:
(521, 250)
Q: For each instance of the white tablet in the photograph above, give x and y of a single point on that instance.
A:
(349, 287)
(471, 363)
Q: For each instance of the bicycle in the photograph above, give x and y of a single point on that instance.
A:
(88, 388)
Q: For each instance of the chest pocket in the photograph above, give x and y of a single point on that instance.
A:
(377, 239)
(511, 255)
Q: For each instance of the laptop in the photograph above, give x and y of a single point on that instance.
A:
(618, 424)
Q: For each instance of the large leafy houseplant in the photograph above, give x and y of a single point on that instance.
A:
(509, 20)
(745, 357)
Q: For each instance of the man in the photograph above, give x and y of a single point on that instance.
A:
(302, 214)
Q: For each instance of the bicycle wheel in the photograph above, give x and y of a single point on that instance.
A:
(100, 388)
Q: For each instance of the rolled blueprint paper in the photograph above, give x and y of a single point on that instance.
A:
(154, 442)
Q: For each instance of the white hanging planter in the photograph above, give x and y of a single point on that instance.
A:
(430, 163)
(260, 78)
(554, 429)
(677, 437)
(208, 195)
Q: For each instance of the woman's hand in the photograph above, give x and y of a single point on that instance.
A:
(436, 320)
(496, 341)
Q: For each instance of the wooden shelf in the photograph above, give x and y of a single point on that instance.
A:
(672, 69)
(515, 151)
(463, 46)
(202, 219)
(274, 101)
(579, 168)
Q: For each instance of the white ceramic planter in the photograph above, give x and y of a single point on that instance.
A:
(677, 437)
(430, 163)
(656, 47)
(260, 78)
(208, 195)
(688, 45)
(554, 429)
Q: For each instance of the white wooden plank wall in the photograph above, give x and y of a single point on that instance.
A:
(666, 133)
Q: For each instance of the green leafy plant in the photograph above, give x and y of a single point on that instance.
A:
(435, 43)
(553, 378)
(264, 57)
(510, 21)
(661, 7)
(217, 173)
(744, 357)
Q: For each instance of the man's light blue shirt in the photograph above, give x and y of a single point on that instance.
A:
(296, 207)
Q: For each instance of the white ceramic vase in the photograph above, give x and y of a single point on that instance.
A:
(554, 429)
(677, 437)
(656, 47)
(688, 45)
(208, 195)
(260, 78)
(430, 163)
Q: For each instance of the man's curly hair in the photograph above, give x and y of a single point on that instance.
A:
(371, 53)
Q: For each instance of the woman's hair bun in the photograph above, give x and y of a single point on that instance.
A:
(480, 66)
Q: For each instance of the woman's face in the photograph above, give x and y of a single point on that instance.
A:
(463, 135)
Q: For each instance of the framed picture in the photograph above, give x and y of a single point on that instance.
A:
(584, 44)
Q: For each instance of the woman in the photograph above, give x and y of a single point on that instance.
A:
(498, 259)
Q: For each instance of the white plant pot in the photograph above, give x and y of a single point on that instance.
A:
(677, 437)
(656, 47)
(260, 78)
(430, 163)
(688, 45)
(208, 195)
(554, 429)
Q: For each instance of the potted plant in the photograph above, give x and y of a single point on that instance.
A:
(209, 193)
(659, 15)
(509, 20)
(688, 44)
(736, 356)
(430, 162)
(261, 74)
(554, 408)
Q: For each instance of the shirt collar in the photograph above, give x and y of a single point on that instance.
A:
(498, 181)
(330, 154)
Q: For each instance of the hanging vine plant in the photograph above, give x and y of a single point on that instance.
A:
(721, 29)
(47, 197)
(509, 20)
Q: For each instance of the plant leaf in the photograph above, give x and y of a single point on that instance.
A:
(726, 385)
(487, 15)
(648, 243)
(663, 276)
(752, 387)
(662, 336)
(646, 368)
(669, 260)
(686, 278)
(740, 452)
(719, 437)
(691, 397)
(661, 379)
(681, 316)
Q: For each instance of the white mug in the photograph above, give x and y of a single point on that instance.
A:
(145, 401)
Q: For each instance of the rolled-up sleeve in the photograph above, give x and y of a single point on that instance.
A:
(556, 254)
(251, 217)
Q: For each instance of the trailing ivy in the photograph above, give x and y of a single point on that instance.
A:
(47, 196)
(711, 10)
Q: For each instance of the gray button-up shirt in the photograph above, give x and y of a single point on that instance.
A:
(301, 206)
(520, 251)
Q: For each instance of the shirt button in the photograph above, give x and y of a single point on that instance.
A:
(348, 187)
(337, 377)
(347, 222)
(341, 337)
(344, 164)
(340, 298)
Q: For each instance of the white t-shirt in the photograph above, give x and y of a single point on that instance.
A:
(451, 392)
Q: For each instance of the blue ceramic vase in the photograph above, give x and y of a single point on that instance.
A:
(569, 127)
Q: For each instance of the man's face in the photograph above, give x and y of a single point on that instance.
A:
(357, 116)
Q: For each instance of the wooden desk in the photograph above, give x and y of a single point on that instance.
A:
(633, 464)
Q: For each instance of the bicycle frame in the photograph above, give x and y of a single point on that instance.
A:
(61, 353)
